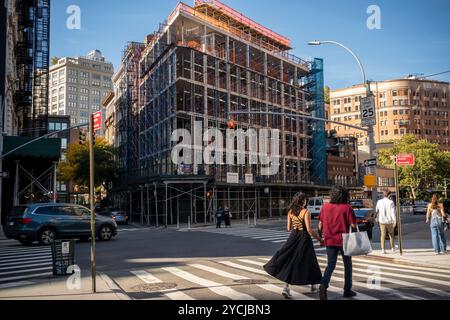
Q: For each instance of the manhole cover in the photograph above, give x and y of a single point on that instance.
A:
(154, 287)
(251, 281)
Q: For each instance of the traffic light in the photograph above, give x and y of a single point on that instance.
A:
(83, 137)
(210, 194)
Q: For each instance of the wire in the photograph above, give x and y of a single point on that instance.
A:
(436, 74)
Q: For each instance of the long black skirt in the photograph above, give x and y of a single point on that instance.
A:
(296, 263)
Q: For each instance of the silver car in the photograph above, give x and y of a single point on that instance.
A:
(420, 207)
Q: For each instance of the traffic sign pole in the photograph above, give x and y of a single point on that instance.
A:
(92, 199)
(399, 218)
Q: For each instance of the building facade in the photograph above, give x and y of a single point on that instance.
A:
(403, 106)
(211, 65)
(342, 161)
(78, 86)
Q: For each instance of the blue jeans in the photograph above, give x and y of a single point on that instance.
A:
(332, 253)
(438, 235)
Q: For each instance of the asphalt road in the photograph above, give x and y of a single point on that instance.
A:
(214, 264)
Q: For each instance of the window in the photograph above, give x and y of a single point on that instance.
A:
(64, 143)
(394, 93)
(51, 126)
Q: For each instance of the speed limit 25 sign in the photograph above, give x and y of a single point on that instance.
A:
(368, 115)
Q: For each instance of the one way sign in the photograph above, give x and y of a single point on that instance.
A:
(370, 163)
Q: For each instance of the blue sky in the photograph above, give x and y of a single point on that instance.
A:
(415, 34)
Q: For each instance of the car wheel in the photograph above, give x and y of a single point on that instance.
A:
(105, 233)
(46, 236)
(26, 242)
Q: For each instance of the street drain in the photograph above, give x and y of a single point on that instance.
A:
(250, 281)
(155, 287)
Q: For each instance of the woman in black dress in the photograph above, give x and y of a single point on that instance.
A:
(296, 263)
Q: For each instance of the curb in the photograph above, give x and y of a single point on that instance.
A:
(406, 262)
(115, 289)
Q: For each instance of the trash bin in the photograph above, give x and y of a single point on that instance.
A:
(63, 255)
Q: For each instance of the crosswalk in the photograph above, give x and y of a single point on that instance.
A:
(19, 264)
(264, 235)
(243, 278)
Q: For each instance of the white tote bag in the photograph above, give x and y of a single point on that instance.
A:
(356, 244)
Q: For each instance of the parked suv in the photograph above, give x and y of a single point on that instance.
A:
(46, 222)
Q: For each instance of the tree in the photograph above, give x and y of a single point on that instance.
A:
(54, 60)
(76, 166)
(431, 166)
(327, 94)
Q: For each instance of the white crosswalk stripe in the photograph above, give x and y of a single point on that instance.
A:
(245, 279)
(266, 235)
(24, 263)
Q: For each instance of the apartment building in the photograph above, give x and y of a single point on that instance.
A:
(403, 106)
(78, 86)
(342, 160)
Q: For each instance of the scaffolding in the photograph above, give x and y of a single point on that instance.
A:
(200, 66)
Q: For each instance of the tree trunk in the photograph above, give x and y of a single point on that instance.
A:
(413, 192)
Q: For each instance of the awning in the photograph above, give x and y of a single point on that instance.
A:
(45, 148)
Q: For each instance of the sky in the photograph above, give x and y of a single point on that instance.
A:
(414, 37)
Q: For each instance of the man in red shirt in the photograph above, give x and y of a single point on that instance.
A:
(336, 218)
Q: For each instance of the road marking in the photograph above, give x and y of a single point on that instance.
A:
(261, 264)
(146, 277)
(26, 255)
(215, 287)
(267, 287)
(150, 279)
(399, 282)
(26, 277)
(238, 266)
(219, 272)
(16, 284)
(26, 266)
(22, 271)
(20, 259)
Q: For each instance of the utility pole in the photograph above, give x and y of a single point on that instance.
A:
(92, 201)
(445, 188)
(398, 208)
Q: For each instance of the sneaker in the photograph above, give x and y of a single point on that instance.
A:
(287, 293)
(383, 251)
(323, 293)
(350, 294)
(314, 288)
(393, 250)
(437, 253)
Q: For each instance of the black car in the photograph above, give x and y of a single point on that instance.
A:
(446, 204)
(365, 220)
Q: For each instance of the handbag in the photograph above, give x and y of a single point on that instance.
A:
(356, 244)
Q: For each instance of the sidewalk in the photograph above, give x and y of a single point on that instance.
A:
(55, 288)
(415, 252)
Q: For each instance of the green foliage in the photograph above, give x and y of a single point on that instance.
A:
(54, 60)
(431, 168)
(327, 94)
(76, 166)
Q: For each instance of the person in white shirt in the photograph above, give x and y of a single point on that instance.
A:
(387, 218)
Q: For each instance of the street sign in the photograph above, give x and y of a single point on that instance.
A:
(406, 160)
(97, 121)
(370, 163)
(249, 178)
(368, 115)
(4, 175)
(370, 181)
(232, 178)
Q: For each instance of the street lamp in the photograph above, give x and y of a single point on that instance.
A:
(368, 94)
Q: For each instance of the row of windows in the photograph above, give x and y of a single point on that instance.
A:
(394, 93)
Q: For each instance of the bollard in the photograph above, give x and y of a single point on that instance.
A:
(189, 223)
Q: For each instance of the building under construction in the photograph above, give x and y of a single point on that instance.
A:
(210, 64)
